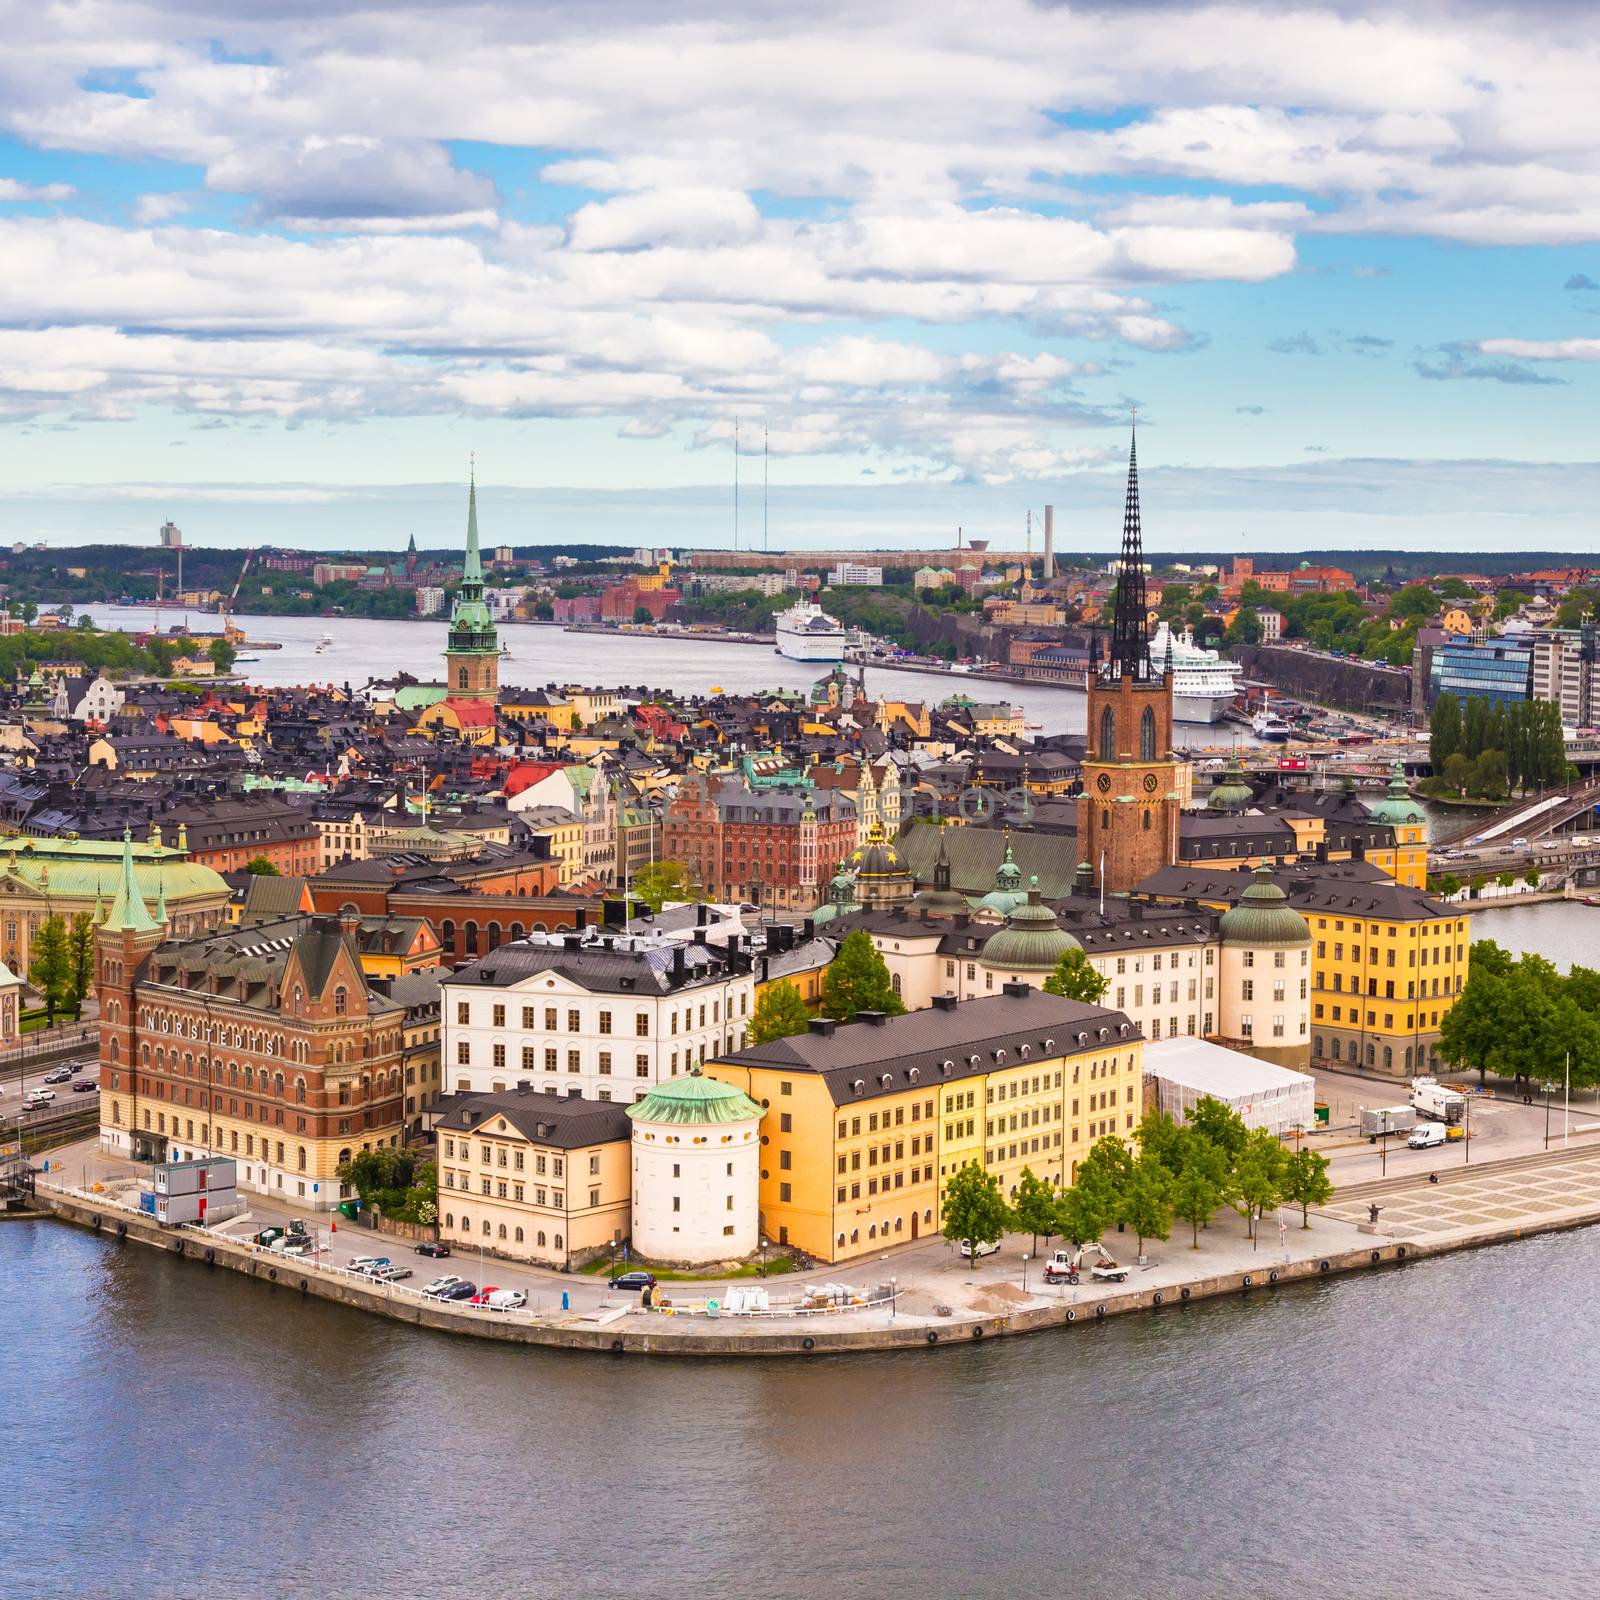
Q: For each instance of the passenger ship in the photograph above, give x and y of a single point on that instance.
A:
(807, 633)
(1203, 684)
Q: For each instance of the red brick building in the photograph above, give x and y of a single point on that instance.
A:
(776, 847)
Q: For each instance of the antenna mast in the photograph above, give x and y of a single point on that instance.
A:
(735, 483)
(764, 459)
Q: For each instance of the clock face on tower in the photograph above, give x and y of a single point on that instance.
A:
(1150, 783)
(1104, 781)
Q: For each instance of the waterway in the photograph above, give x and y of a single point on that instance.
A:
(1427, 1431)
(542, 655)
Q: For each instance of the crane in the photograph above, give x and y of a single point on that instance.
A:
(232, 633)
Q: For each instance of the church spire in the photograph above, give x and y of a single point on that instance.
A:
(472, 567)
(1129, 655)
(129, 913)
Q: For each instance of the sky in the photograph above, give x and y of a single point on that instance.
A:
(276, 270)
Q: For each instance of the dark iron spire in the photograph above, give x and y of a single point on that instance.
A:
(1129, 655)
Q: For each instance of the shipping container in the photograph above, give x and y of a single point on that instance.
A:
(191, 1177)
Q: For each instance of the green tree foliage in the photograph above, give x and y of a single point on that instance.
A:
(858, 980)
(974, 1208)
(1508, 602)
(1076, 978)
(1244, 629)
(1199, 1188)
(662, 881)
(1306, 1183)
(1083, 1213)
(80, 943)
(642, 614)
(1444, 730)
(50, 967)
(779, 1013)
(1258, 1176)
(1107, 1167)
(1220, 1126)
(1147, 1200)
(399, 1182)
(1416, 600)
(1455, 589)
(222, 655)
(1033, 1207)
(260, 867)
(1522, 1019)
(1489, 750)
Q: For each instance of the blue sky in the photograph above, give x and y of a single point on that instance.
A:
(276, 271)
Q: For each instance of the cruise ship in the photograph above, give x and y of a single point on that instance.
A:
(807, 633)
(1203, 684)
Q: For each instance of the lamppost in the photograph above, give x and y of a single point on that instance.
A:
(763, 1257)
(1547, 1113)
(1383, 1159)
(894, 1298)
(1024, 1274)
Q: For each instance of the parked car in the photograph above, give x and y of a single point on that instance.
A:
(637, 1282)
(37, 1098)
(1426, 1135)
(75, 1066)
(976, 1252)
(60, 1075)
(439, 1285)
(86, 1086)
(366, 1263)
(390, 1274)
(481, 1298)
(507, 1300)
(433, 1247)
(1519, 843)
(458, 1291)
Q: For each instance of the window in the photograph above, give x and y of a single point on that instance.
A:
(605, 1022)
(1108, 735)
(641, 1024)
(500, 1056)
(605, 1063)
(463, 1012)
(641, 1065)
(498, 1014)
(572, 1020)
(463, 1053)
(1147, 737)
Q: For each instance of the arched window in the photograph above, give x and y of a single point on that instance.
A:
(462, 679)
(1108, 735)
(539, 1238)
(894, 983)
(1147, 734)
(449, 1219)
(494, 935)
(486, 1228)
(519, 1235)
(1388, 1058)
(447, 934)
(471, 932)
(502, 1230)
(341, 1001)
(516, 932)
(557, 1243)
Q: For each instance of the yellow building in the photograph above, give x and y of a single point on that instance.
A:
(535, 1177)
(1387, 960)
(864, 1123)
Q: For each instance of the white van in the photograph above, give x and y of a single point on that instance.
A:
(1426, 1135)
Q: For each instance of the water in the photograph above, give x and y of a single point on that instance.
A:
(1426, 1431)
(539, 655)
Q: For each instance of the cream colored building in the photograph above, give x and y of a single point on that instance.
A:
(531, 1177)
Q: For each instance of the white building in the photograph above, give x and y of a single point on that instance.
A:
(696, 1172)
(1185, 1071)
(430, 599)
(853, 575)
(600, 1015)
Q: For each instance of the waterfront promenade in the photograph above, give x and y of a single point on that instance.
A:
(923, 1296)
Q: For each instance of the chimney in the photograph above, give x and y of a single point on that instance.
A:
(700, 914)
(944, 1002)
(613, 913)
(573, 941)
(823, 1026)
(808, 930)
(873, 1019)
(677, 965)
(524, 1086)
(699, 935)
(1018, 991)
(582, 918)
(1047, 568)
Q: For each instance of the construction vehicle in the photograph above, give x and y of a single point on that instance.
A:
(1066, 1266)
(1432, 1099)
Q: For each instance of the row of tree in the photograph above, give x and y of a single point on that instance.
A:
(1184, 1171)
(1482, 748)
(61, 963)
(1522, 1019)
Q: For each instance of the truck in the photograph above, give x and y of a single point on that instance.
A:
(1378, 1120)
(1066, 1266)
(1432, 1099)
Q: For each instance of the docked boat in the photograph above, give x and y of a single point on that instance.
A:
(805, 632)
(1203, 683)
(1268, 725)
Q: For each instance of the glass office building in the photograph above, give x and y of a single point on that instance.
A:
(1498, 670)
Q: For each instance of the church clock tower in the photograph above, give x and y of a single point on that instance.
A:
(1128, 811)
(472, 655)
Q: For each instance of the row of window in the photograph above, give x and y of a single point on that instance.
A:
(1354, 1017)
(1439, 953)
(488, 1232)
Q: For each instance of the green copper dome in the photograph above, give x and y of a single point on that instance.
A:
(1398, 806)
(1264, 916)
(1232, 790)
(695, 1099)
(1008, 894)
(1031, 941)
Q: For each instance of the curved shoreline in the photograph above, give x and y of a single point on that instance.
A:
(672, 1337)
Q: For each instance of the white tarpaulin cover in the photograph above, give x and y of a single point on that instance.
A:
(1265, 1096)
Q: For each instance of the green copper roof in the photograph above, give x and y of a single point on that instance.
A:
(695, 1099)
(1398, 806)
(129, 913)
(1264, 916)
(1031, 941)
(1231, 790)
(471, 627)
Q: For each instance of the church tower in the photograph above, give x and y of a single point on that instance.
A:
(1128, 811)
(472, 655)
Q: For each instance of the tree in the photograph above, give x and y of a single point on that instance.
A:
(1076, 979)
(1147, 1200)
(1531, 877)
(642, 614)
(50, 969)
(1220, 1125)
(1033, 1207)
(1449, 886)
(1509, 602)
(1258, 1176)
(1107, 1167)
(261, 867)
(222, 655)
(1244, 629)
(80, 941)
(779, 1013)
(1444, 730)
(1161, 1139)
(1082, 1214)
(1457, 771)
(662, 881)
(974, 1208)
(1197, 1192)
(1306, 1183)
(858, 980)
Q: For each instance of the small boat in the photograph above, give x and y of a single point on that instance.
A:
(237, 660)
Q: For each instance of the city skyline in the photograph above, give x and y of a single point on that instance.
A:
(1343, 260)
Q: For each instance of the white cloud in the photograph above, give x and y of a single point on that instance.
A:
(11, 189)
(1542, 349)
(159, 208)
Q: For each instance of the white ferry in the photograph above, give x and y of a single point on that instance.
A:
(1203, 684)
(807, 633)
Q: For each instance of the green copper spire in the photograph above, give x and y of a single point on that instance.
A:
(161, 898)
(472, 569)
(129, 913)
(472, 630)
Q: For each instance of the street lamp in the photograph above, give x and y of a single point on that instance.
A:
(894, 1298)
(1024, 1274)
(763, 1257)
(1383, 1159)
